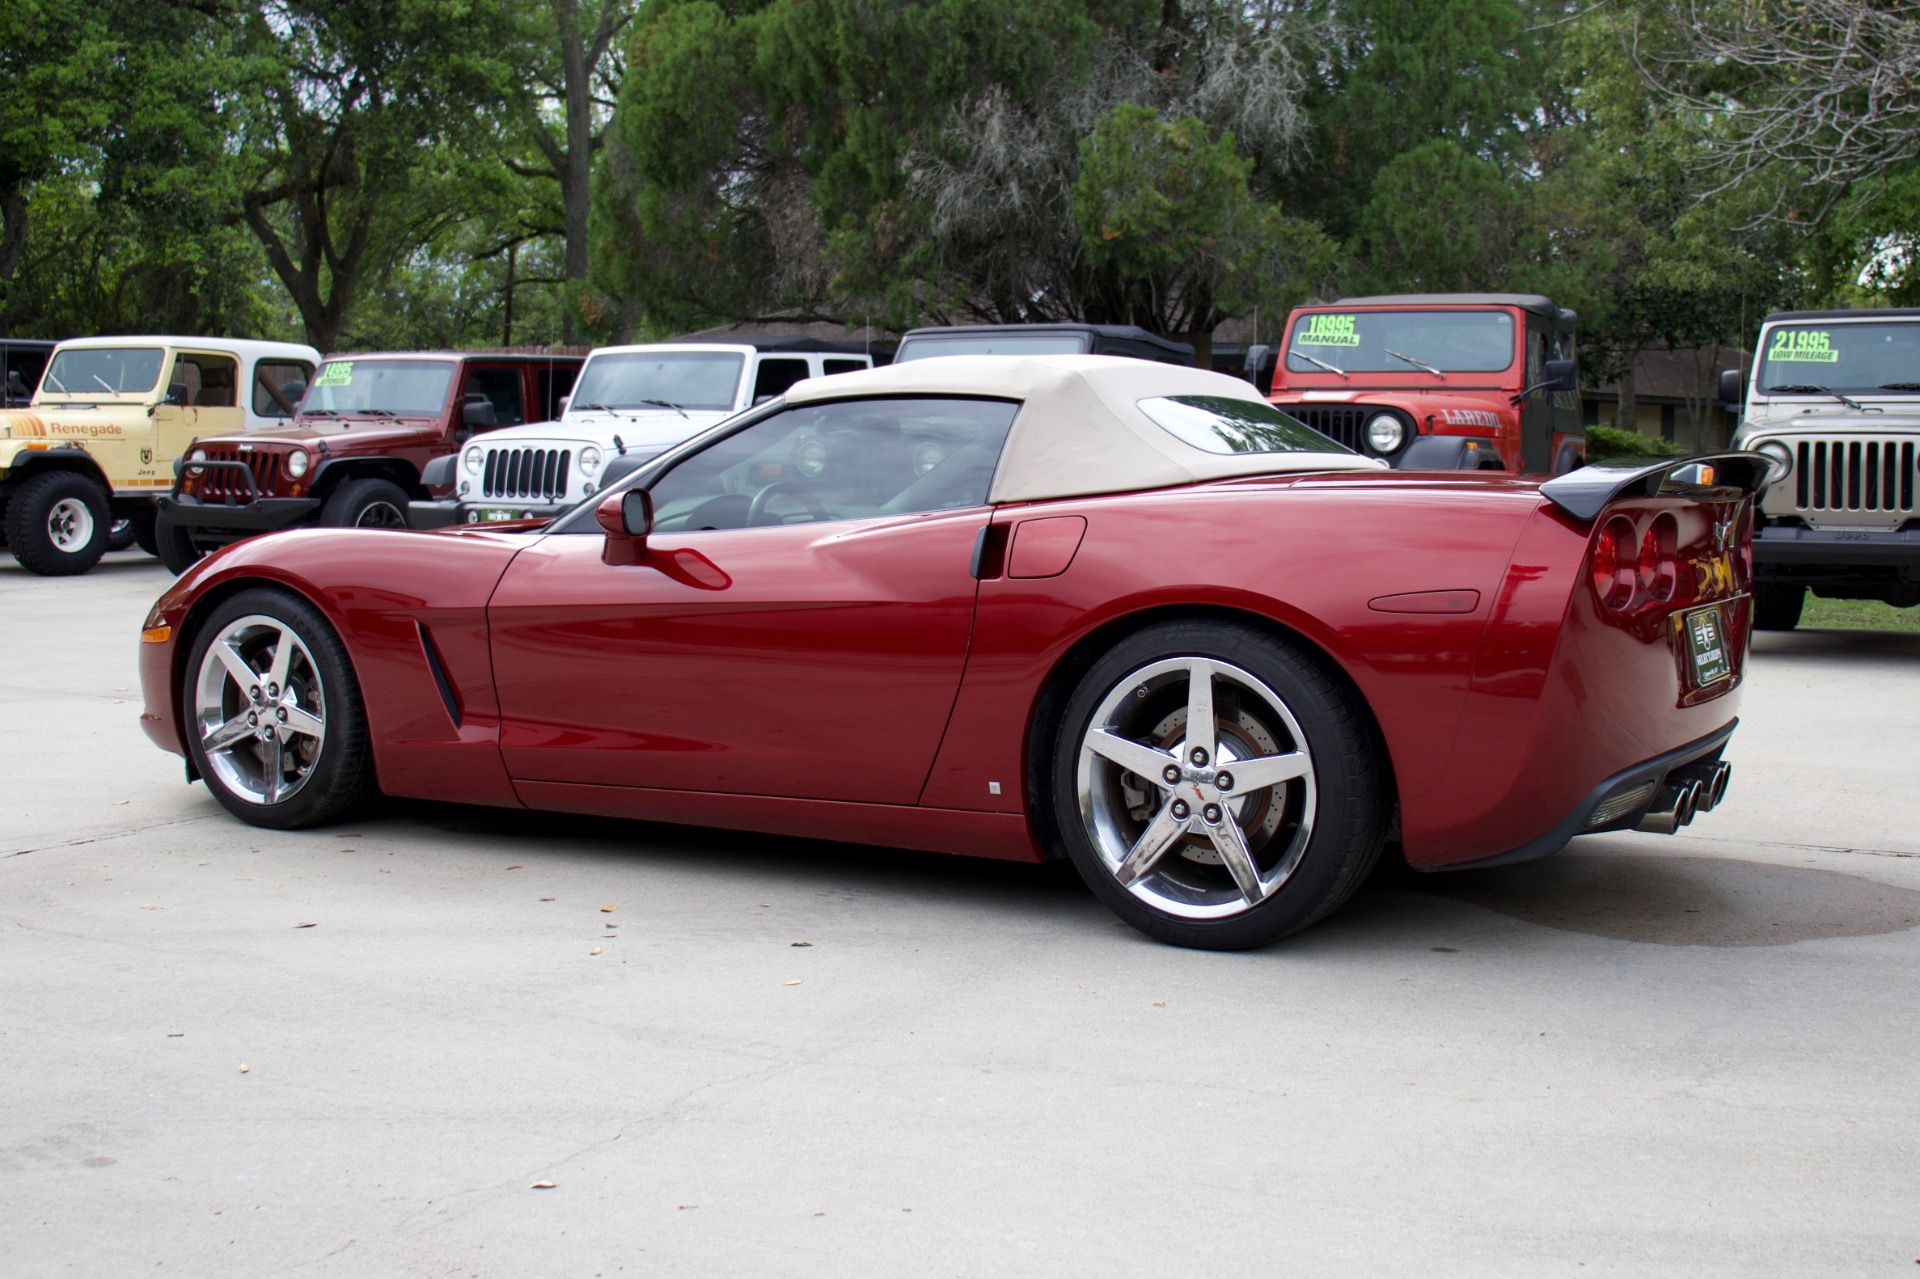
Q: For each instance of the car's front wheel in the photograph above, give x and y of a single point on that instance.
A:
(274, 716)
(367, 503)
(1216, 787)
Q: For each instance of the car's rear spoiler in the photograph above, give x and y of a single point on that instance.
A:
(1584, 493)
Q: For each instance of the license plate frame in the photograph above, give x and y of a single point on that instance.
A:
(1705, 632)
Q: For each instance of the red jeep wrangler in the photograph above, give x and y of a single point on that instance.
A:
(1438, 381)
(354, 451)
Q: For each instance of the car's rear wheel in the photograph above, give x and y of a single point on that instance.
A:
(274, 716)
(368, 503)
(1216, 787)
(57, 524)
(1777, 608)
(174, 544)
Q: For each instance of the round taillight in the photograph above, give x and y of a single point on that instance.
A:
(1658, 572)
(1613, 566)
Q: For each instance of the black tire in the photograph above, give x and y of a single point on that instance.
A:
(144, 535)
(79, 506)
(1777, 608)
(120, 535)
(174, 544)
(334, 775)
(1328, 826)
(367, 503)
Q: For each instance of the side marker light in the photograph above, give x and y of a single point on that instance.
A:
(156, 635)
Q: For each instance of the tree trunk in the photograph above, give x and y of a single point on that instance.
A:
(575, 168)
(1626, 412)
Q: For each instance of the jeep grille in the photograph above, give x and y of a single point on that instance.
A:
(526, 473)
(223, 484)
(1854, 475)
(1344, 423)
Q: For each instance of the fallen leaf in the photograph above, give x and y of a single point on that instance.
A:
(606, 910)
(800, 943)
(176, 1034)
(118, 802)
(384, 871)
(594, 951)
(684, 1207)
(244, 1068)
(306, 925)
(546, 899)
(794, 982)
(540, 1185)
(1159, 1003)
(149, 908)
(1447, 950)
(516, 868)
(355, 835)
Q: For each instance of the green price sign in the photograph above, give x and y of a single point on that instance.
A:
(1327, 330)
(337, 373)
(1802, 346)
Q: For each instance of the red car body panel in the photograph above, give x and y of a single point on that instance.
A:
(853, 680)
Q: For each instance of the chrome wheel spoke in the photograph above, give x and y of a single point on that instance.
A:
(1269, 770)
(1154, 841)
(282, 659)
(304, 723)
(272, 767)
(1231, 843)
(1141, 760)
(228, 735)
(1200, 722)
(243, 675)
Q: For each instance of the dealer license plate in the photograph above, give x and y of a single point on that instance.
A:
(490, 513)
(1706, 641)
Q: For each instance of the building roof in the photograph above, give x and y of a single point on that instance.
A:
(1080, 429)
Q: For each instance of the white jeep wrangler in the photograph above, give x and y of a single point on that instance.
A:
(631, 402)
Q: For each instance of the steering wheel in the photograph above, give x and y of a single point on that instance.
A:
(757, 512)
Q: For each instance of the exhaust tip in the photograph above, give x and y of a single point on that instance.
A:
(1721, 776)
(1689, 805)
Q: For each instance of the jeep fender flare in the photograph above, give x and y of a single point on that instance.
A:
(332, 473)
(65, 457)
(1448, 453)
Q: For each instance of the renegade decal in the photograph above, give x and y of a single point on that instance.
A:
(1802, 346)
(1328, 330)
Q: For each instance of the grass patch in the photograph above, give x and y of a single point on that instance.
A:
(1859, 615)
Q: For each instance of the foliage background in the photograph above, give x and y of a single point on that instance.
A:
(409, 173)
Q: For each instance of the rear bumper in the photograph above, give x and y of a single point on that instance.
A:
(263, 515)
(1781, 550)
(1588, 816)
(432, 515)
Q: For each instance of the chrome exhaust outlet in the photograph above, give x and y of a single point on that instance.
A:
(1689, 806)
(1663, 817)
(1721, 776)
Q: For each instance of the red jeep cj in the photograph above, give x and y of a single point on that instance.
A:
(1438, 381)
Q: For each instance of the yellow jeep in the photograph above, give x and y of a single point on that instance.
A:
(99, 440)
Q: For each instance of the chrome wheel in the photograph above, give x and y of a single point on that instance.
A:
(1196, 787)
(260, 709)
(381, 515)
(70, 525)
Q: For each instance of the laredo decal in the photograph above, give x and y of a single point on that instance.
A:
(1470, 417)
(1327, 330)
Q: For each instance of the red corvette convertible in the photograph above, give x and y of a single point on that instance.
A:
(1009, 607)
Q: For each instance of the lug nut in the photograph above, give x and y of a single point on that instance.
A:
(1223, 782)
(280, 715)
(1180, 808)
(1172, 773)
(1212, 813)
(1199, 758)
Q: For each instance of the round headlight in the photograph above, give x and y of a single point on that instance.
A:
(1385, 433)
(471, 459)
(297, 463)
(1782, 458)
(198, 455)
(589, 460)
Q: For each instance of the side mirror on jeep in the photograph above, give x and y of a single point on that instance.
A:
(1733, 388)
(626, 518)
(1257, 364)
(476, 414)
(1562, 375)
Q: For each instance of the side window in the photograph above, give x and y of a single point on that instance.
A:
(830, 367)
(278, 386)
(775, 375)
(552, 382)
(502, 388)
(843, 460)
(204, 381)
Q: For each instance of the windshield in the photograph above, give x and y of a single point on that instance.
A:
(104, 370)
(1843, 357)
(926, 348)
(651, 379)
(1401, 342)
(417, 388)
(1223, 424)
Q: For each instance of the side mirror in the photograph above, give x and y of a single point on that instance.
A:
(476, 414)
(1733, 387)
(564, 401)
(1561, 375)
(1256, 363)
(627, 518)
(177, 394)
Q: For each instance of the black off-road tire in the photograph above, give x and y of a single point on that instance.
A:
(120, 535)
(366, 503)
(144, 534)
(342, 781)
(33, 505)
(1354, 807)
(174, 544)
(1777, 608)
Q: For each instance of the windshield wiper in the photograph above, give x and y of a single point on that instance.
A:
(377, 412)
(667, 404)
(103, 384)
(1899, 386)
(319, 413)
(590, 408)
(1808, 388)
(1418, 364)
(58, 385)
(1322, 363)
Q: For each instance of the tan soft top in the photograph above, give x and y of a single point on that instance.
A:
(1080, 430)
